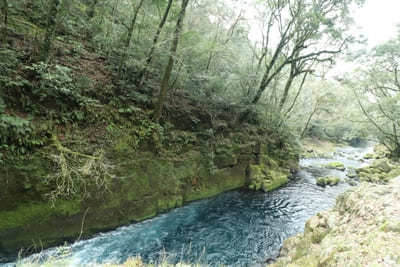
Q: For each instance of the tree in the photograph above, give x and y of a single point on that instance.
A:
(170, 65)
(5, 22)
(304, 28)
(51, 26)
(92, 8)
(143, 72)
(128, 39)
(378, 93)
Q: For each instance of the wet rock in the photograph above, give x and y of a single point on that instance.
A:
(350, 182)
(352, 175)
(369, 156)
(328, 180)
(335, 165)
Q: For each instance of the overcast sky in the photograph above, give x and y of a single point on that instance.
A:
(377, 20)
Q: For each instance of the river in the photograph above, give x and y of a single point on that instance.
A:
(238, 228)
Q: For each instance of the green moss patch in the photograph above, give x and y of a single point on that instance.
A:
(335, 165)
(262, 177)
(328, 180)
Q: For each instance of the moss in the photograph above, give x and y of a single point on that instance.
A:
(328, 180)
(147, 184)
(276, 180)
(381, 165)
(318, 235)
(225, 158)
(321, 181)
(351, 175)
(335, 165)
(369, 156)
(394, 173)
(213, 184)
(36, 212)
(268, 161)
(302, 249)
(263, 177)
(308, 261)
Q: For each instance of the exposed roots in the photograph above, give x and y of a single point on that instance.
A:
(75, 173)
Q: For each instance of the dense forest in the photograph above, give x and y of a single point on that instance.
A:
(95, 95)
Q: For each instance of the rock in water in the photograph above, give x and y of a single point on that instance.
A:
(335, 165)
(328, 180)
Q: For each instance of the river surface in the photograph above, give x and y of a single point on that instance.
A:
(238, 228)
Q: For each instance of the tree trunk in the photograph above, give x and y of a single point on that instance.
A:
(303, 133)
(50, 29)
(142, 74)
(168, 70)
(92, 10)
(129, 37)
(287, 113)
(107, 44)
(5, 23)
(268, 76)
(288, 85)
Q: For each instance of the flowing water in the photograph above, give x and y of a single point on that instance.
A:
(238, 228)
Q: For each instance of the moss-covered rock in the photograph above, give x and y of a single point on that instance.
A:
(369, 156)
(381, 165)
(335, 165)
(328, 180)
(380, 171)
(351, 175)
(362, 230)
(262, 177)
(379, 153)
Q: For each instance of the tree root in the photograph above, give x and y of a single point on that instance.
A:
(57, 144)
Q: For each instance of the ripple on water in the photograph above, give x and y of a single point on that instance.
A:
(237, 228)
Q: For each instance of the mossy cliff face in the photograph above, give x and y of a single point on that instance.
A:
(362, 230)
(146, 184)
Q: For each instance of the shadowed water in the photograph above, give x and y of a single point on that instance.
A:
(238, 228)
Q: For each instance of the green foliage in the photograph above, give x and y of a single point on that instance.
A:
(17, 134)
(377, 90)
(59, 93)
(138, 131)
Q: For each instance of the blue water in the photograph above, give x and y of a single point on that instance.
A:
(238, 228)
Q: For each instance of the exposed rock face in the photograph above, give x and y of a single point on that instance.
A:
(362, 230)
(148, 184)
(267, 179)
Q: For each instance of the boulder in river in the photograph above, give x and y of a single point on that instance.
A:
(335, 165)
(328, 180)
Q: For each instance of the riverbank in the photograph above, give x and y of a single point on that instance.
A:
(224, 228)
(85, 181)
(81, 151)
(363, 229)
